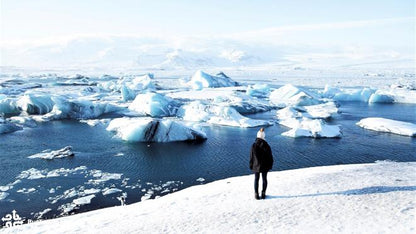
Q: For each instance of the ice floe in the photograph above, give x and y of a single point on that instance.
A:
(202, 80)
(153, 130)
(36, 103)
(83, 200)
(52, 154)
(309, 121)
(221, 115)
(389, 125)
(370, 95)
(153, 104)
(292, 95)
(108, 191)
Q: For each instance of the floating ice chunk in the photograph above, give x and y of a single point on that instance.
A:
(108, 191)
(394, 95)
(153, 104)
(23, 121)
(36, 103)
(380, 97)
(292, 95)
(200, 179)
(26, 190)
(95, 122)
(202, 80)
(31, 174)
(143, 82)
(322, 111)
(221, 115)
(42, 213)
(78, 109)
(8, 106)
(49, 154)
(91, 191)
(361, 95)
(388, 125)
(3, 195)
(127, 94)
(83, 200)
(315, 128)
(153, 130)
(258, 90)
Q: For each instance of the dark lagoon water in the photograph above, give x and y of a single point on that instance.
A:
(157, 169)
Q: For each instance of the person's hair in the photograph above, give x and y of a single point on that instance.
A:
(261, 129)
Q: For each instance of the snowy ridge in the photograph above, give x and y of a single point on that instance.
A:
(379, 197)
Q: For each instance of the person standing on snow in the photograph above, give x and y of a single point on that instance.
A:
(261, 161)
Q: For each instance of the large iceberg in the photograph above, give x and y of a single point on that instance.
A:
(292, 95)
(77, 109)
(36, 103)
(370, 95)
(227, 96)
(202, 80)
(154, 104)
(8, 106)
(389, 125)
(221, 115)
(153, 130)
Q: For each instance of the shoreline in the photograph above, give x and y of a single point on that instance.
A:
(370, 198)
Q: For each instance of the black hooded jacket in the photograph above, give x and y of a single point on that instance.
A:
(261, 158)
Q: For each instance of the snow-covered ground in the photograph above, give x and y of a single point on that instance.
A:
(361, 198)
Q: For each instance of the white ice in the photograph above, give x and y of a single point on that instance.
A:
(309, 121)
(83, 200)
(389, 125)
(361, 198)
(52, 154)
(292, 95)
(153, 130)
(202, 80)
(221, 115)
(154, 105)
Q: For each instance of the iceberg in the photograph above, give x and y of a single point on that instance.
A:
(380, 97)
(389, 125)
(221, 115)
(78, 109)
(308, 121)
(83, 200)
(292, 95)
(35, 103)
(154, 105)
(8, 106)
(23, 121)
(108, 191)
(49, 154)
(258, 90)
(315, 128)
(202, 80)
(322, 111)
(153, 130)
(370, 95)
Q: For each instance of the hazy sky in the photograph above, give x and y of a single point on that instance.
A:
(31, 20)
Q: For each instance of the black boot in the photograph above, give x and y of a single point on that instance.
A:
(256, 196)
(263, 195)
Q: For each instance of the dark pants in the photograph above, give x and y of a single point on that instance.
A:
(256, 181)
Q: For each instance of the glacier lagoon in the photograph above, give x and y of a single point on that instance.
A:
(109, 170)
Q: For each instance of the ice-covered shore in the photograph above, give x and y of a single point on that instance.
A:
(361, 198)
